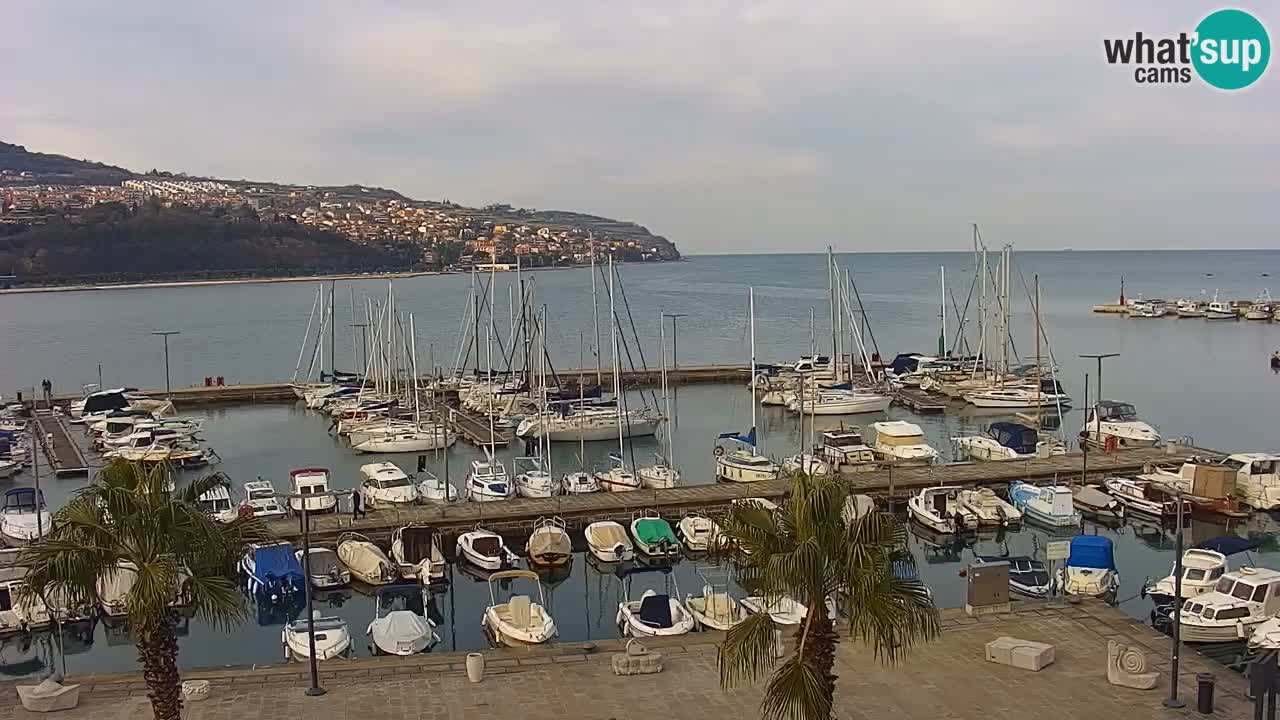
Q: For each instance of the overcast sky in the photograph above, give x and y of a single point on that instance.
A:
(748, 126)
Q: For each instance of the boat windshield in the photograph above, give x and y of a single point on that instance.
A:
(393, 482)
(1121, 412)
(216, 505)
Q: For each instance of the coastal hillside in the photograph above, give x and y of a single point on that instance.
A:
(64, 220)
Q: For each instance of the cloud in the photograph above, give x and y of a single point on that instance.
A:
(727, 126)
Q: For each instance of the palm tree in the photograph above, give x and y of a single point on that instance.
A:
(808, 551)
(180, 556)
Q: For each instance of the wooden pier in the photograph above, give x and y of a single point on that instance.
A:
(475, 428)
(920, 402)
(517, 515)
(65, 456)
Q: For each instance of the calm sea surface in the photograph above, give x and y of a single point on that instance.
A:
(1210, 381)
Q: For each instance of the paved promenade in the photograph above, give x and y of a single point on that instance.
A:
(945, 680)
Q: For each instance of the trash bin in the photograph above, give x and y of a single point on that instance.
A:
(1204, 693)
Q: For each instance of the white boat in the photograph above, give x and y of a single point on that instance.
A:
(8, 469)
(415, 549)
(326, 570)
(216, 502)
(1241, 601)
(901, 443)
(1118, 420)
(1257, 479)
(532, 479)
(807, 464)
(366, 561)
(653, 536)
(989, 509)
(578, 483)
(1153, 308)
(488, 481)
(783, 609)
(845, 448)
(415, 438)
(333, 639)
(24, 516)
(1190, 308)
(1144, 497)
(1051, 505)
(1006, 441)
(383, 484)
(715, 608)
(21, 611)
(400, 625)
(260, 496)
(744, 465)
(839, 402)
(311, 481)
(1016, 397)
(1091, 568)
(549, 544)
(485, 550)
(519, 621)
(435, 489)
(608, 542)
(698, 532)
(939, 509)
(1261, 309)
(586, 423)
(658, 476)
(1201, 569)
(617, 478)
(113, 589)
(1217, 310)
(654, 615)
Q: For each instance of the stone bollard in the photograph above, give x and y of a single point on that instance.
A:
(475, 667)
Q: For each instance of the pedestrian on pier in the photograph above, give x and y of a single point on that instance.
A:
(357, 511)
(46, 387)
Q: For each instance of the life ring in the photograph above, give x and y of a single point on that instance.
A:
(718, 451)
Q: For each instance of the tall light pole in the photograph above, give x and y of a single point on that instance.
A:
(303, 501)
(168, 391)
(1097, 405)
(675, 360)
(1173, 701)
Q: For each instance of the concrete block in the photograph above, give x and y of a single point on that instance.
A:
(1023, 654)
(48, 696)
(978, 610)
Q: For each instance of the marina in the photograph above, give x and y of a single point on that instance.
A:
(64, 454)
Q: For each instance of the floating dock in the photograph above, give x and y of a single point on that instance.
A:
(475, 428)
(65, 456)
(920, 402)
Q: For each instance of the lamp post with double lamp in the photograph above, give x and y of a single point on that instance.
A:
(315, 690)
(168, 391)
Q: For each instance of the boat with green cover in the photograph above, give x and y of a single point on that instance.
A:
(654, 536)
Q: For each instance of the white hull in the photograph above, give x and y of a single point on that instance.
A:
(853, 405)
(618, 480)
(631, 626)
(658, 477)
(608, 542)
(408, 442)
(1030, 400)
(1218, 633)
(986, 449)
(332, 640)
(588, 427)
(736, 472)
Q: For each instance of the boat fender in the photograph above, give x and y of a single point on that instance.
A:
(718, 451)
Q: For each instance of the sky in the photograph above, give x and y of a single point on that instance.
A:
(753, 126)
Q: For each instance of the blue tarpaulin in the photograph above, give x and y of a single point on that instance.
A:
(1018, 438)
(749, 438)
(1229, 544)
(276, 565)
(1091, 551)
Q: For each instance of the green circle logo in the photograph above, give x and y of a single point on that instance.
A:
(1232, 49)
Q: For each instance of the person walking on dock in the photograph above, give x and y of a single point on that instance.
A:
(357, 511)
(46, 387)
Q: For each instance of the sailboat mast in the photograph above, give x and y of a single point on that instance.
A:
(942, 305)
(413, 365)
(302, 350)
(666, 401)
(831, 298)
(475, 301)
(333, 331)
(751, 321)
(1036, 280)
(595, 306)
(617, 384)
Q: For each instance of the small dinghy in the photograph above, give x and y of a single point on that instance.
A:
(518, 621)
(416, 551)
(608, 542)
(333, 639)
(485, 549)
(784, 610)
(699, 533)
(400, 625)
(113, 589)
(654, 614)
(714, 608)
(326, 571)
(366, 561)
(434, 489)
(549, 544)
(654, 536)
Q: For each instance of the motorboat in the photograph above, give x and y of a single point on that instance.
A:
(519, 621)
(939, 509)
(1257, 479)
(271, 571)
(332, 638)
(1205, 484)
(654, 615)
(1091, 568)
(260, 497)
(24, 516)
(608, 542)
(1241, 601)
(532, 479)
(617, 478)
(383, 484)
(1153, 308)
(653, 536)
(435, 489)
(216, 503)
(715, 608)
(485, 549)
(365, 560)
(578, 483)
(1200, 572)
(658, 476)
(1028, 577)
(1261, 308)
(1095, 503)
(1144, 497)
(836, 401)
(325, 569)
(1190, 308)
(413, 439)
(698, 532)
(311, 481)
(9, 468)
(819, 365)
(1218, 310)
(549, 544)
(488, 481)
(113, 589)
(1007, 441)
(21, 611)
(845, 448)
(1118, 420)
(807, 464)
(1051, 505)
(400, 624)
(744, 465)
(901, 443)
(784, 610)
(988, 508)
(416, 551)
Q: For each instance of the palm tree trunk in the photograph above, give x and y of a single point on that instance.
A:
(158, 653)
(819, 649)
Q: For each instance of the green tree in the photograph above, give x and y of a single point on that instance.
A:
(807, 551)
(181, 556)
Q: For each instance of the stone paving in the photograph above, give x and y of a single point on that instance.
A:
(945, 680)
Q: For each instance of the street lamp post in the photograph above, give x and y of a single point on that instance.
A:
(314, 690)
(675, 358)
(1173, 701)
(165, 334)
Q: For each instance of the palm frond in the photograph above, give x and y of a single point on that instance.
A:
(796, 692)
(747, 650)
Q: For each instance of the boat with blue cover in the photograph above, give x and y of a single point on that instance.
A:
(272, 571)
(1091, 568)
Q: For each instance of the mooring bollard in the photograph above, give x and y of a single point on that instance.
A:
(1204, 693)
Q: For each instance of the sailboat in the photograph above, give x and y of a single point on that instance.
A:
(745, 464)
(617, 478)
(662, 474)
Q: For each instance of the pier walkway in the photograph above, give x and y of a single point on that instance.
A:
(475, 429)
(947, 678)
(518, 514)
(63, 453)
